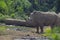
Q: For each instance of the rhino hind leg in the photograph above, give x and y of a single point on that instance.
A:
(52, 27)
(41, 28)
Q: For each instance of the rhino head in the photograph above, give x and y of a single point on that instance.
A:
(30, 23)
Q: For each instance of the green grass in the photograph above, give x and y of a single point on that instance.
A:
(2, 30)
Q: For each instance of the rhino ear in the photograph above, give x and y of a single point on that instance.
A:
(34, 12)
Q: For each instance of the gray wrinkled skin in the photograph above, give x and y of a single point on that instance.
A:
(58, 20)
(41, 19)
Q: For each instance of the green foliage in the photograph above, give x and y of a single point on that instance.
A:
(25, 17)
(56, 29)
(25, 3)
(55, 35)
(13, 15)
(3, 4)
(3, 7)
(53, 9)
(57, 5)
(47, 30)
(2, 17)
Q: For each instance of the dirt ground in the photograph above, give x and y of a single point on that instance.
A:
(11, 34)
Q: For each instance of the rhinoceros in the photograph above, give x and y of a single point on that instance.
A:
(41, 19)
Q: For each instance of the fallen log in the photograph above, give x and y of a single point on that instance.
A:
(15, 22)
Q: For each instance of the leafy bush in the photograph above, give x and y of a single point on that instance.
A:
(55, 35)
(2, 17)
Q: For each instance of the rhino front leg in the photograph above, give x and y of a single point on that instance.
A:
(37, 29)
